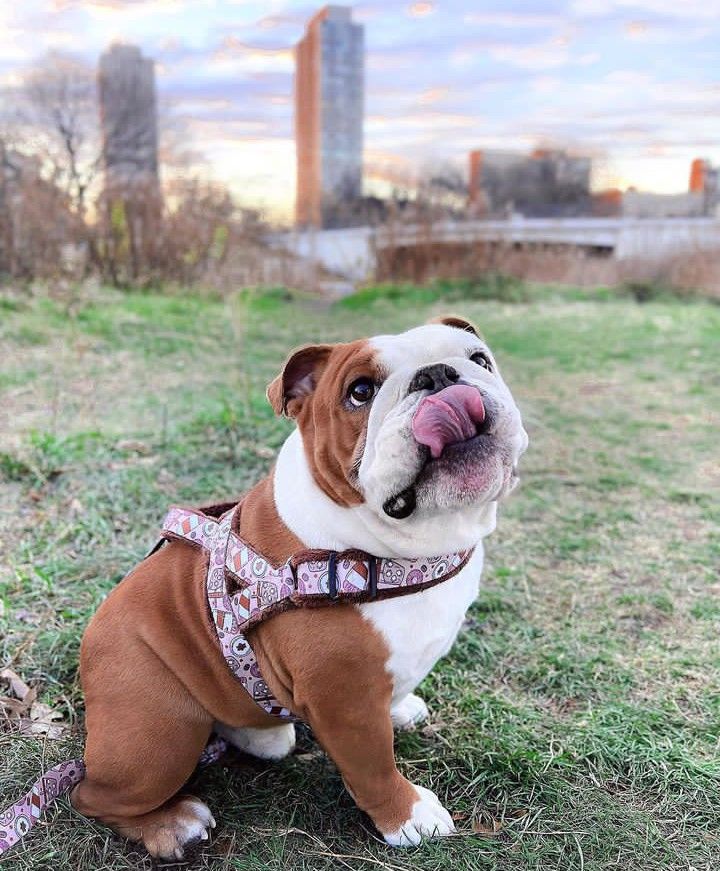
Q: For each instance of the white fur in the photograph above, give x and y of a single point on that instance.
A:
(277, 742)
(392, 458)
(408, 712)
(191, 821)
(319, 522)
(420, 628)
(428, 819)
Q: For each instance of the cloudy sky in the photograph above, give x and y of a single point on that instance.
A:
(635, 83)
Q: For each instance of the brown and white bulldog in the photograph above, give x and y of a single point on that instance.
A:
(403, 448)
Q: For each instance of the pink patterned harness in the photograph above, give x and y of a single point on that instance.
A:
(244, 588)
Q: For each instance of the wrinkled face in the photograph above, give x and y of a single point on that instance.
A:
(414, 424)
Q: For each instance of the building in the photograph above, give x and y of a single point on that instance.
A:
(492, 177)
(705, 181)
(546, 183)
(128, 113)
(606, 203)
(644, 204)
(329, 102)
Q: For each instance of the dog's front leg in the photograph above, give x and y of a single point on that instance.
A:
(351, 720)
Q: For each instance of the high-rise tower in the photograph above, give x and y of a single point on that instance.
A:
(128, 107)
(329, 98)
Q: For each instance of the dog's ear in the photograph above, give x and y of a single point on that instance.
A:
(457, 322)
(297, 379)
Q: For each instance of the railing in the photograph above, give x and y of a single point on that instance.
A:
(351, 252)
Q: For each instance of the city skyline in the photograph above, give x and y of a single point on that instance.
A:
(633, 84)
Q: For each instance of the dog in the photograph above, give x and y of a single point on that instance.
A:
(403, 447)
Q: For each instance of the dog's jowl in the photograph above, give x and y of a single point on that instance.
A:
(374, 515)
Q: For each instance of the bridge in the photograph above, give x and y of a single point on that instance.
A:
(352, 253)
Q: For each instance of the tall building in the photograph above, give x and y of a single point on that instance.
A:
(705, 181)
(698, 175)
(128, 111)
(475, 196)
(329, 98)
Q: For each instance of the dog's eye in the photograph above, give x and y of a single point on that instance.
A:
(361, 391)
(482, 359)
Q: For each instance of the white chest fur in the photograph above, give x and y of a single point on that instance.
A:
(420, 628)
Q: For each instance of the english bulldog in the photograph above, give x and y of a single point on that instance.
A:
(403, 447)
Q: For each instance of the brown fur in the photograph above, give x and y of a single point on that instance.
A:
(312, 389)
(456, 321)
(155, 681)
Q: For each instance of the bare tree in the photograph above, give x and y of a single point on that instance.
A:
(58, 105)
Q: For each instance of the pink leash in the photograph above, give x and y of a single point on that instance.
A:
(17, 820)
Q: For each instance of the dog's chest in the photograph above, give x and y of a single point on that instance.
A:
(420, 628)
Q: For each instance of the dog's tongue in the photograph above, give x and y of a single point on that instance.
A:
(448, 417)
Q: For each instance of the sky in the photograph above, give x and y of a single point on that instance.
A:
(634, 83)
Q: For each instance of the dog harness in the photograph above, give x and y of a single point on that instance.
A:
(244, 588)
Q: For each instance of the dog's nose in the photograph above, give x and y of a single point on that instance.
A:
(434, 378)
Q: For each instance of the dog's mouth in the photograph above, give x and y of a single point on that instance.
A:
(452, 428)
(449, 417)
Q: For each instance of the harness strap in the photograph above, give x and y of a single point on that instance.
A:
(244, 588)
(17, 820)
(259, 589)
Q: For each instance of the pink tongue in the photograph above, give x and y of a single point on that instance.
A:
(448, 417)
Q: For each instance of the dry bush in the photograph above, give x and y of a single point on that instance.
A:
(40, 237)
(192, 235)
(429, 260)
(696, 270)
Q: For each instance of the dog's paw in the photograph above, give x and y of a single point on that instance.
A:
(428, 819)
(408, 712)
(273, 743)
(180, 824)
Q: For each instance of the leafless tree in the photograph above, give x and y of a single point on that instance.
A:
(57, 105)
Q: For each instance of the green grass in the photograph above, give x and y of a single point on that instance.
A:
(575, 724)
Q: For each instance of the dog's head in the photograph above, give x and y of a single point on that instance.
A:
(411, 425)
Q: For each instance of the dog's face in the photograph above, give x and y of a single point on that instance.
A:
(410, 425)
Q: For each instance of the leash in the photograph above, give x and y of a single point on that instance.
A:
(17, 820)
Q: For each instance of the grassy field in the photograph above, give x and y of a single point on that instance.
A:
(574, 726)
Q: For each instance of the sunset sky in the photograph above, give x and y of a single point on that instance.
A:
(635, 83)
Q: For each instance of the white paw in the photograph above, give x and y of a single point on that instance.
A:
(170, 831)
(273, 743)
(429, 819)
(408, 712)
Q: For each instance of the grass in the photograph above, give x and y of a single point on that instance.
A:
(575, 724)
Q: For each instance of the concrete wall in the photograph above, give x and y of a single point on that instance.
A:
(351, 252)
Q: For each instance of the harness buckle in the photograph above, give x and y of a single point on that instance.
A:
(372, 576)
(332, 575)
(293, 574)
